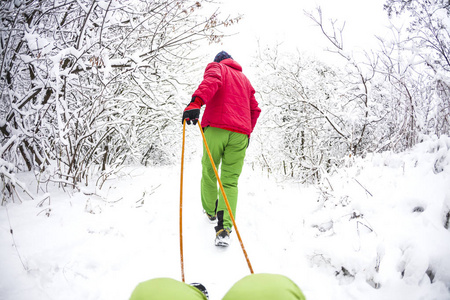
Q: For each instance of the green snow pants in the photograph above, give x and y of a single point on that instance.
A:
(264, 287)
(228, 151)
(166, 289)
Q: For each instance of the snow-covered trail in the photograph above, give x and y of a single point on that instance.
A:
(265, 219)
(341, 243)
(95, 247)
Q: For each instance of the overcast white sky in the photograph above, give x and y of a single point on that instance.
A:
(283, 21)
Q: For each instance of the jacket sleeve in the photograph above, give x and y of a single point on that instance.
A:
(212, 81)
(255, 111)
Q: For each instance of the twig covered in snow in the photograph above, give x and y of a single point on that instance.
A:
(14, 240)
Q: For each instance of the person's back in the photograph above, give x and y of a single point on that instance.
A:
(229, 98)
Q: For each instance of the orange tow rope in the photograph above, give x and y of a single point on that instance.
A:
(181, 204)
(225, 198)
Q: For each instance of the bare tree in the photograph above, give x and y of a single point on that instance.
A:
(88, 85)
(428, 38)
(358, 78)
(319, 114)
(304, 116)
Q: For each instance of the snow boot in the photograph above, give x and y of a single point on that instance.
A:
(201, 288)
(211, 219)
(222, 238)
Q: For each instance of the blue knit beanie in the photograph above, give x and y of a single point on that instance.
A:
(221, 56)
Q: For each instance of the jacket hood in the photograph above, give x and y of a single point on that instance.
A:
(232, 64)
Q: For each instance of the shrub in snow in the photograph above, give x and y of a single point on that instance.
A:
(398, 233)
(88, 86)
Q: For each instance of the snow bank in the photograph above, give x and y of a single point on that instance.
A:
(385, 221)
(375, 230)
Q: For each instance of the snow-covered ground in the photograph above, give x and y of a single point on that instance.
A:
(373, 230)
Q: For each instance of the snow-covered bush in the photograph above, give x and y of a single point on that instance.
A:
(422, 75)
(303, 126)
(317, 115)
(87, 86)
(406, 190)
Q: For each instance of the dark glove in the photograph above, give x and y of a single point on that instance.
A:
(192, 111)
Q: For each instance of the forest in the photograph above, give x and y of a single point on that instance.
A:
(88, 87)
(345, 186)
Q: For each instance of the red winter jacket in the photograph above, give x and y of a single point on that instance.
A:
(229, 98)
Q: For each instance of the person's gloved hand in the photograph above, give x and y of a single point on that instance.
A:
(192, 111)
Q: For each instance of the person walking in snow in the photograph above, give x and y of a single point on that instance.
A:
(229, 118)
